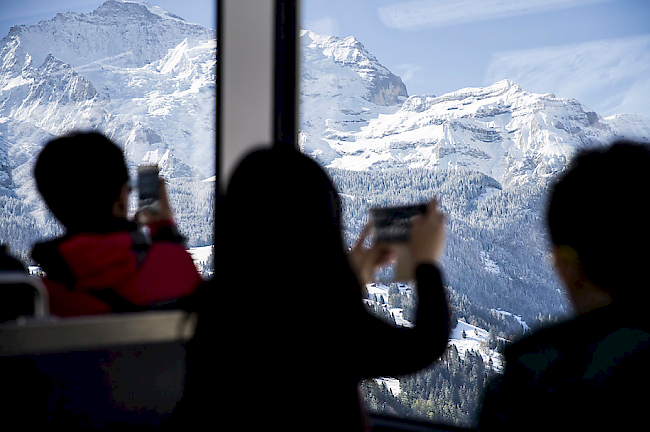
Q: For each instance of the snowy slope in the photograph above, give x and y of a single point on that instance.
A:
(200, 254)
(475, 337)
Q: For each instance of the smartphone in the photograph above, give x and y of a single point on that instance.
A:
(148, 188)
(393, 224)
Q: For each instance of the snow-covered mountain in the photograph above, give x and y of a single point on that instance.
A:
(140, 74)
(342, 88)
(146, 78)
(502, 130)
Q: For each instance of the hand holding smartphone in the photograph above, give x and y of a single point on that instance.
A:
(153, 205)
(395, 225)
(148, 188)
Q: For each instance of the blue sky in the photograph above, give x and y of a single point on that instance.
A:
(597, 51)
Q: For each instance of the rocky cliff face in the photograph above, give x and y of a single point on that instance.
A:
(342, 87)
(119, 33)
(381, 86)
(501, 130)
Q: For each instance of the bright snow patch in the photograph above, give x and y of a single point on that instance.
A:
(489, 191)
(34, 270)
(391, 383)
(489, 264)
(381, 289)
(517, 317)
(201, 253)
(475, 337)
(16, 82)
(472, 341)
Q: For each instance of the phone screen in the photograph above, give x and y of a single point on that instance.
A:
(393, 224)
(148, 190)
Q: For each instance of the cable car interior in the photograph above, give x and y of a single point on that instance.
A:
(128, 370)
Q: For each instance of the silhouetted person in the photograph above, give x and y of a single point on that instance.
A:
(104, 263)
(588, 373)
(292, 334)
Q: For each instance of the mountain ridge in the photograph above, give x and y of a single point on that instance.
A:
(502, 130)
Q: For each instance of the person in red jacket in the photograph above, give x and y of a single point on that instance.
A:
(104, 262)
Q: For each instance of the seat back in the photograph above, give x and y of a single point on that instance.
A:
(22, 295)
(101, 371)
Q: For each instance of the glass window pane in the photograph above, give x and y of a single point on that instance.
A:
(143, 74)
(480, 103)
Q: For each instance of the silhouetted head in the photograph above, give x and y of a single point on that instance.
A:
(81, 177)
(283, 201)
(598, 208)
(282, 229)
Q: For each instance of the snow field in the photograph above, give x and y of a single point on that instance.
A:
(517, 317)
(200, 254)
(475, 337)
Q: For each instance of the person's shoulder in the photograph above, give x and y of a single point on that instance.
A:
(579, 336)
(540, 349)
(534, 353)
(542, 337)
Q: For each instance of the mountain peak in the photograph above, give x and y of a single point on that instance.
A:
(140, 74)
(498, 88)
(134, 9)
(506, 83)
(51, 61)
(348, 56)
(117, 33)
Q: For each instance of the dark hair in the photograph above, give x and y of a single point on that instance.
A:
(306, 206)
(598, 207)
(283, 209)
(80, 176)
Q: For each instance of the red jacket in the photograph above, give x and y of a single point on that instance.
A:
(116, 271)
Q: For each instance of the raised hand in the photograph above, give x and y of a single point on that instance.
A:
(365, 261)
